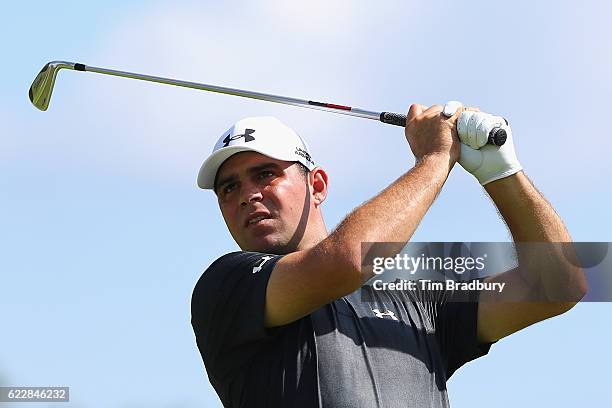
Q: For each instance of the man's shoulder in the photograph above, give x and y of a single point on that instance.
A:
(229, 259)
(237, 262)
(238, 259)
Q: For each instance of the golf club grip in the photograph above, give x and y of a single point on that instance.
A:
(391, 118)
(497, 136)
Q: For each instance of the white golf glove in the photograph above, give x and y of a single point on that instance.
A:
(484, 161)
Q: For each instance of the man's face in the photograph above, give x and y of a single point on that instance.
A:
(262, 201)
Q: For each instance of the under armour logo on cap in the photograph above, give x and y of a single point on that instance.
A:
(382, 315)
(247, 137)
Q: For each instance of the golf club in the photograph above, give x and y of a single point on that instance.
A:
(42, 88)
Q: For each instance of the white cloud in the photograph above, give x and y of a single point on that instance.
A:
(361, 55)
(308, 17)
(143, 128)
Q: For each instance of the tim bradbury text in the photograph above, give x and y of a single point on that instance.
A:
(426, 284)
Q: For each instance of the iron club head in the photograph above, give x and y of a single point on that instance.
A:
(42, 87)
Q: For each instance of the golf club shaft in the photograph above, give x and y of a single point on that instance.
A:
(42, 88)
(385, 117)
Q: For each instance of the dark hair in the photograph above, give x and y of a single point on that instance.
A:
(303, 170)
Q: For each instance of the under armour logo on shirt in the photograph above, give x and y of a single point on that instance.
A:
(382, 315)
(263, 261)
(247, 137)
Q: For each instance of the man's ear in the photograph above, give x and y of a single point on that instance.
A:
(318, 181)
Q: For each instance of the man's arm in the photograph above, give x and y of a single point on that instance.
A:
(303, 281)
(545, 281)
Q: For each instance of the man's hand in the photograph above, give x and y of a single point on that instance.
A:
(487, 163)
(490, 163)
(429, 132)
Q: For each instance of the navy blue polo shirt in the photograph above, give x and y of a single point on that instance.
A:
(397, 349)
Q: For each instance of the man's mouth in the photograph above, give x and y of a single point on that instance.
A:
(256, 220)
(253, 219)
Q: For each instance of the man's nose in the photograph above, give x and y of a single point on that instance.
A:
(250, 192)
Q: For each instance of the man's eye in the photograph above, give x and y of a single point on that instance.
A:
(229, 188)
(265, 174)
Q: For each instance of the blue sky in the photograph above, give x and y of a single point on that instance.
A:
(104, 232)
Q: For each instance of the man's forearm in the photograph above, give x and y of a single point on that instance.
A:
(527, 213)
(531, 218)
(394, 214)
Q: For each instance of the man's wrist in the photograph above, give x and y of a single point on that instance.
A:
(437, 160)
(509, 185)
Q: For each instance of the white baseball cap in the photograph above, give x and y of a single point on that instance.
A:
(262, 134)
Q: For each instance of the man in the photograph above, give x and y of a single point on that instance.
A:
(281, 323)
